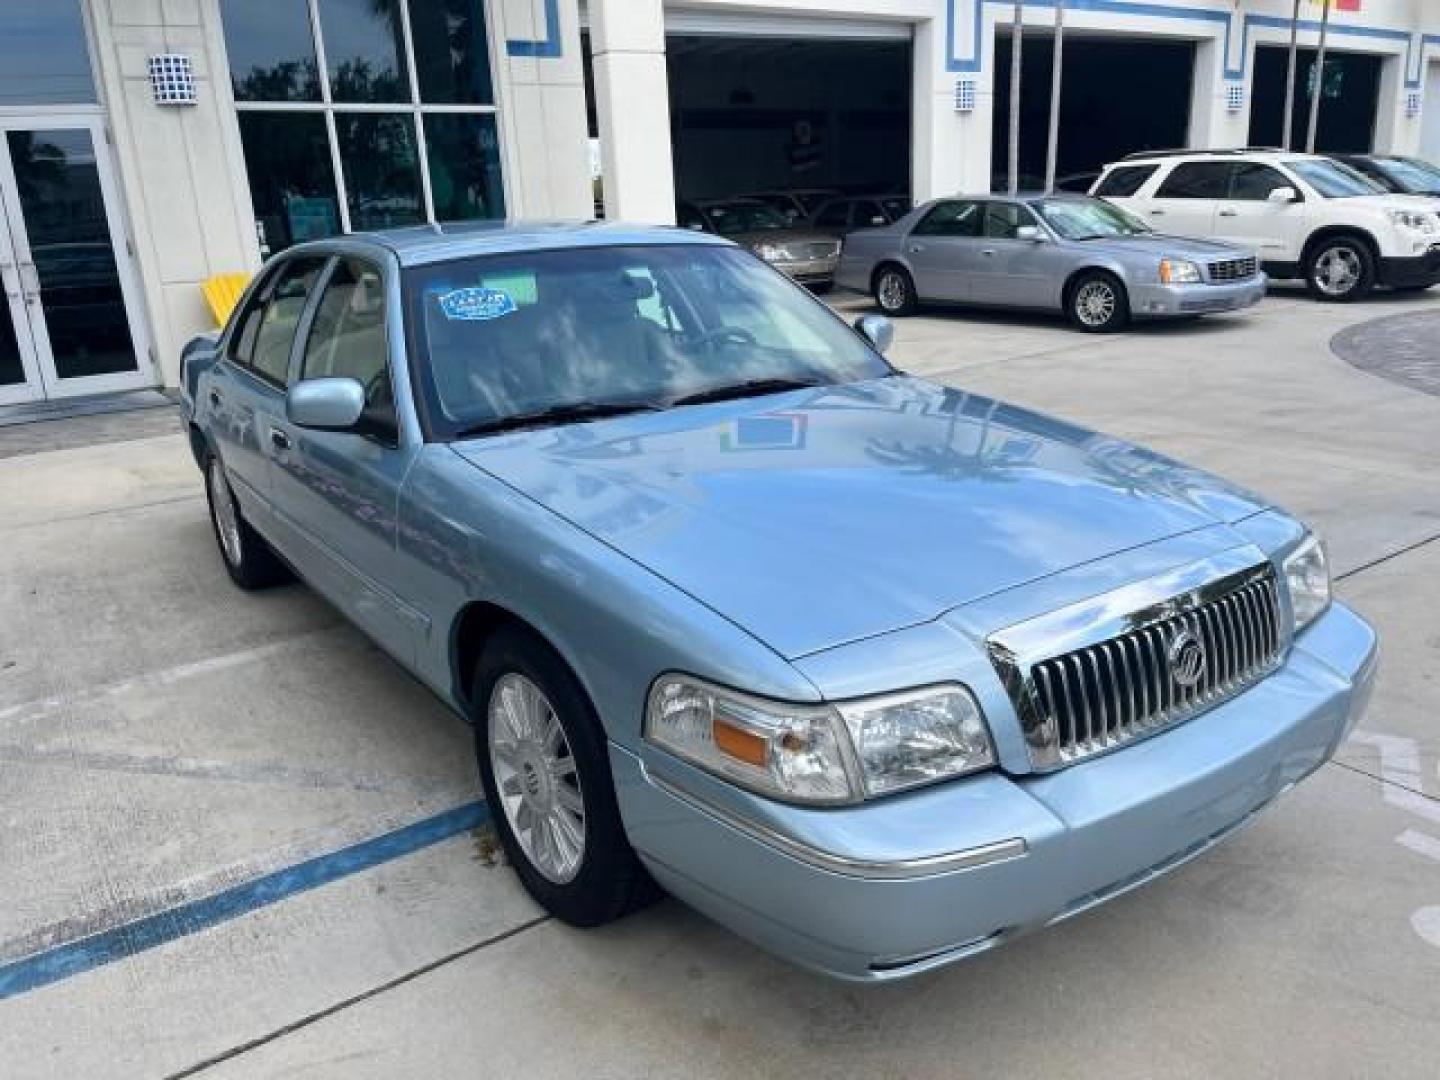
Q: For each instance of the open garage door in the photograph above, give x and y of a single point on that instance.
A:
(1348, 99)
(1103, 116)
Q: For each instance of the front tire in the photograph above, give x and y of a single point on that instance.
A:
(1340, 270)
(1097, 303)
(247, 558)
(546, 773)
(895, 291)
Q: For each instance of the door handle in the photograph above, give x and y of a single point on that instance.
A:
(279, 439)
(215, 398)
(1227, 213)
(916, 248)
(987, 251)
(1157, 213)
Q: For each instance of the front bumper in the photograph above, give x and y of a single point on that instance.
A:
(1411, 271)
(909, 883)
(809, 271)
(1167, 301)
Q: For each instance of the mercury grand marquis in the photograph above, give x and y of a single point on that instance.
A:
(877, 672)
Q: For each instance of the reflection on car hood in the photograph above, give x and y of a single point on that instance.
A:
(1184, 247)
(821, 516)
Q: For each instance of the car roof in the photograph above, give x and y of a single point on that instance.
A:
(421, 244)
(1259, 153)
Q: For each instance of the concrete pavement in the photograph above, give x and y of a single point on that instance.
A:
(163, 737)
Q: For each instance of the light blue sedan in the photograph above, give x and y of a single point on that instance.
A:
(878, 673)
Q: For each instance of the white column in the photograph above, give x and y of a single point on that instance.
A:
(632, 108)
(950, 151)
(1212, 124)
(1395, 133)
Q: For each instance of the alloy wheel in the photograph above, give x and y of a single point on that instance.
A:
(536, 778)
(1337, 270)
(1095, 303)
(892, 291)
(227, 518)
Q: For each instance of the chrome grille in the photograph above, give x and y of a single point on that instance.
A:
(1092, 699)
(1234, 269)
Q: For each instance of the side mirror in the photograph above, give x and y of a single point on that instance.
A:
(325, 404)
(876, 329)
(1031, 233)
(1286, 194)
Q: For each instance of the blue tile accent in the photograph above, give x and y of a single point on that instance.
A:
(548, 48)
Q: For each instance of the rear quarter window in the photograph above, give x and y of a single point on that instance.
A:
(1124, 181)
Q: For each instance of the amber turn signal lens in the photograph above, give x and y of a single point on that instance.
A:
(739, 743)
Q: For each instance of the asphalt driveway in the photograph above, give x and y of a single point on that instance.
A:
(237, 841)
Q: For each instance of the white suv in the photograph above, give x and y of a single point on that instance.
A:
(1306, 216)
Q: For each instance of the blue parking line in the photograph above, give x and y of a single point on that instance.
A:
(72, 958)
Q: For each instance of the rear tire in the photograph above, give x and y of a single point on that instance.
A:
(1097, 303)
(894, 291)
(546, 773)
(1340, 270)
(247, 557)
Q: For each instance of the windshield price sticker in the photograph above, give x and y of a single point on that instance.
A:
(476, 304)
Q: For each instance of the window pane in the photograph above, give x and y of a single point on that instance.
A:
(272, 52)
(271, 358)
(363, 50)
(951, 219)
(292, 184)
(464, 155)
(382, 172)
(347, 338)
(1255, 182)
(1196, 180)
(43, 55)
(452, 55)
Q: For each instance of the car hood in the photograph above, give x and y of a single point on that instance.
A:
(780, 237)
(816, 517)
(1184, 247)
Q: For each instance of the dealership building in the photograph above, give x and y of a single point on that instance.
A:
(147, 146)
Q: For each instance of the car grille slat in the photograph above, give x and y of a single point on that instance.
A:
(1234, 269)
(1103, 695)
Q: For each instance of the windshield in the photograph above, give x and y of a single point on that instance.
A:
(1334, 180)
(1410, 174)
(506, 336)
(1088, 219)
(741, 217)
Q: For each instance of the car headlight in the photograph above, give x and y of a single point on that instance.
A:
(1179, 272)
(772, 252)
(820, 753)
(1307, 577)
(1415, 221)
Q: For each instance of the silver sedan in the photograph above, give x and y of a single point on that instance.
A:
(1071, 253)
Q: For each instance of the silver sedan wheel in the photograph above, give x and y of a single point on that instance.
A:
(892, 291)
(1337, 271)
(1095, 303)
(536, 778)
(227, 518)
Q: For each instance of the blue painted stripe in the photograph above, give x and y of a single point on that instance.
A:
(549, 47)
(72, 958)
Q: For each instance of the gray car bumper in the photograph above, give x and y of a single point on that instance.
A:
(849, 892)
(1162, 301)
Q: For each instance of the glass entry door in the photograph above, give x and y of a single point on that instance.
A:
(70, 324)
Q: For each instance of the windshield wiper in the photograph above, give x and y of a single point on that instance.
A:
(748, 388)
(556, 414)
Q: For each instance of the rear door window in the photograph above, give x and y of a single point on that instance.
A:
(1196, 180)
(1124, 180)
(959, 217)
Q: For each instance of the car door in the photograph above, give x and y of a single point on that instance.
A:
(1012, 271)
(943, 249)
(1186, 198)
(244, 397)
(336, 493)
(1248, 217)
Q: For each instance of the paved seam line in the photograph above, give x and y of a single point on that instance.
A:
(345, 1003)
(1383, 780)
(127, 939)
(1406, 550)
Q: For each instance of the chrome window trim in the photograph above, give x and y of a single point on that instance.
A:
(869, 869)
(1016, 649)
